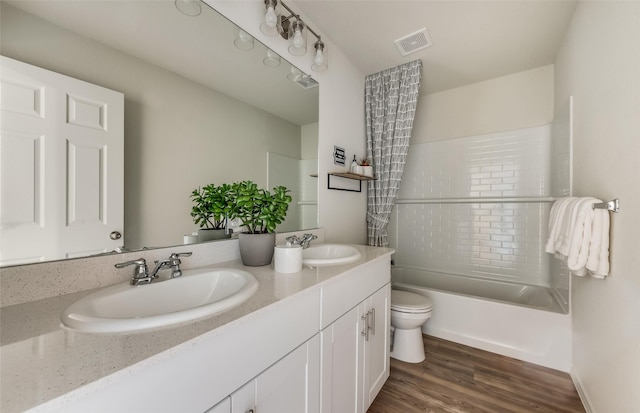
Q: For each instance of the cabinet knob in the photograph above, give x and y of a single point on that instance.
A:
(115, 235)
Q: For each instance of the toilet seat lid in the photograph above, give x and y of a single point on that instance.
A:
(409, 302)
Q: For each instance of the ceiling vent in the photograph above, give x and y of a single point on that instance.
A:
(413, 42)
(306, 82)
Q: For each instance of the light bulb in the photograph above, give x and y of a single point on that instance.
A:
(244, 41)
(298, 41)
(294, 74)
(272, 59)
(319, 59)
(271, 19)
(189, 7)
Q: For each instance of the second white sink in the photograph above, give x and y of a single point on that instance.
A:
(197, 293)
(329, 254)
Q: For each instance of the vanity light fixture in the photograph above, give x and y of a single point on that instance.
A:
(271, 59)
(297, 37)
(270, 24)
(191, 8)
(293, 29)
(294, 74)
(320, 57)
(244, 41)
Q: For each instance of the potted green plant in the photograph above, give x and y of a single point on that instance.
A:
(211, 207)
(259, 211)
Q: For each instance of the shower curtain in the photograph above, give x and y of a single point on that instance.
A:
(391, 97)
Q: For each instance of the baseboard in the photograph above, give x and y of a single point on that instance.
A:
(494, 347)
(584, 398)
(485, 345)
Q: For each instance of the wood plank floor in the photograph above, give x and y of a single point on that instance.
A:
(461, 379)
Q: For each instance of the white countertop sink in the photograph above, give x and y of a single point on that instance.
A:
(197, 293)
(329, 254)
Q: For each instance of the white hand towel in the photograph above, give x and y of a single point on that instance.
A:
(556, 219)
(598, 262)
(566, 225)
(579, 235)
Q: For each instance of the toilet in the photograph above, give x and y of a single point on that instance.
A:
(409, 311)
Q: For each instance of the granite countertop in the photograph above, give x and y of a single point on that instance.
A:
(42, 360)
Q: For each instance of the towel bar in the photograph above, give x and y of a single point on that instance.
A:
(613, 206)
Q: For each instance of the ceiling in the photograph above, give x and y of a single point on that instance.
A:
(472, 40)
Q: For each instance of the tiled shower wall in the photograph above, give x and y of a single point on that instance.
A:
(477, 206)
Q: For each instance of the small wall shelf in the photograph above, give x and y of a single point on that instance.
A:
(348, 175)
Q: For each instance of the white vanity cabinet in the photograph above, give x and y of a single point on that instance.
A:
(324, 348)
(340, 370)
(290, 385)
(222, 407)
(355, 346)
(276, 341)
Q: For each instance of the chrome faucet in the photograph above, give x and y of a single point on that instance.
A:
(174, 262)
(293, 240)
(306, 240)
(141, 273)
(303, 241)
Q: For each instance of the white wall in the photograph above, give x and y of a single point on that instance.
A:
(341, 214)
(285, 171)
(599, 64)
(172, 145)
(309, 146)
(516, 101)
(309, 177)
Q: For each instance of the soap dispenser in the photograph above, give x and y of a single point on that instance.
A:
(354, 165)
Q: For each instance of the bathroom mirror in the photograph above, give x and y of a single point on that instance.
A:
(198, 109)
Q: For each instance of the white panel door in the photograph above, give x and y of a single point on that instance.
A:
(61, 165)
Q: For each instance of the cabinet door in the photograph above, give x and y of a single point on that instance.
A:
(376, 366)
(243, 400)
(293, 383)
(342, 363)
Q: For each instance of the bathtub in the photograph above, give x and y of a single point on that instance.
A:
(520, 321)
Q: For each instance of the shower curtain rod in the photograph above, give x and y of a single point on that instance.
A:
(613, 205)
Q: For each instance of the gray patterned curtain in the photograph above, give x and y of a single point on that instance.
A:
(391, 97)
